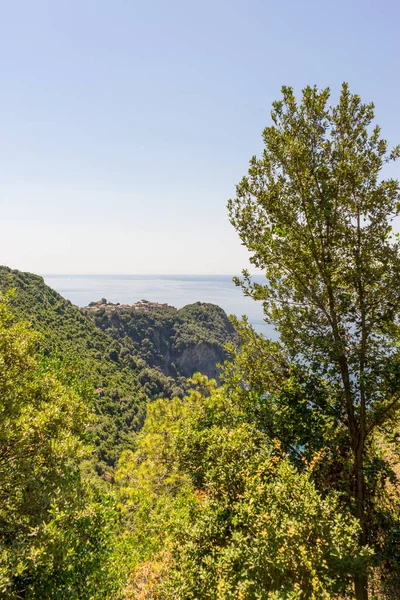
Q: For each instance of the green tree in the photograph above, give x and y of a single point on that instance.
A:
(54, 531)
(315, 213)
(154, 495)
(222, 513)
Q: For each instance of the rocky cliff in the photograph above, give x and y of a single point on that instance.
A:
(178, 342)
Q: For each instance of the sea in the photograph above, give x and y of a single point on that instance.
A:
(176, 290)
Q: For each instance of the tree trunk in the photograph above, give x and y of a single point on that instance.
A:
(361, 579)
(361, 586)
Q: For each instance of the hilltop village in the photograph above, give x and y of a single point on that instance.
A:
(142, 305)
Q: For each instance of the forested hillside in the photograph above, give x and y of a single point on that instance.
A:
(55, 529)
(178, 342)
(125, 361)
(66, 333)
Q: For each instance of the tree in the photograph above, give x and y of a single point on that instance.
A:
(155, 497)
(316, 215)
(54, 531)
(220, 512)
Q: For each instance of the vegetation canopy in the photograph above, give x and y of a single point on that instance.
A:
(272, 477)
(316, 215)
(227, 514)
(55, 534)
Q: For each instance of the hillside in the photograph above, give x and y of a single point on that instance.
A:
(178, 342)
(126, 360)
(66, 333)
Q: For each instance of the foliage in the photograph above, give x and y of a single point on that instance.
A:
(178, 342)
(281, 483)
(316, 215)
(154, 496)
(67, 334)
(122, 356)
(224, 513)
(54, 533)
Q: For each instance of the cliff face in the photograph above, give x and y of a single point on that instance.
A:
(178, 342)
(203, 358)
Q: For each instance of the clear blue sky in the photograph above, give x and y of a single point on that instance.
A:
(125, 125)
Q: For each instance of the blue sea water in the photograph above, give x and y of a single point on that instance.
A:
(176, 290)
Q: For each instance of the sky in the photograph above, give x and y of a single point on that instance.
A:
(126, 125)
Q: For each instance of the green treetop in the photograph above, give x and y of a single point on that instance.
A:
(54, 534)
(316, 214)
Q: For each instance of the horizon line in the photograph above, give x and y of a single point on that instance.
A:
(143, 274)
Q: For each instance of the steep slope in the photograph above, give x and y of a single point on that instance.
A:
(126, 357)
(179, 342)
(99, 360)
